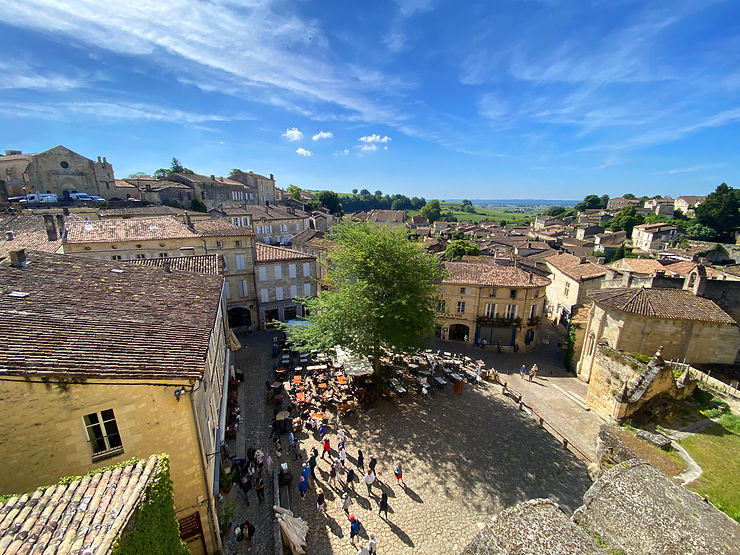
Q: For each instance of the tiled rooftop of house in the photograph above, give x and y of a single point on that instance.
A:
(141, 211)
(638, 265)
(684, 268)
(494, 275)
(86, 515)
(269, 253)
(66, 315)
(220, 228)
(312, 238)
(27, 231)
(674, 304)
(211, 264)
(575, 267)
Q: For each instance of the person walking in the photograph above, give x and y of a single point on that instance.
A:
(398, 473)
(333, 476)
(322, 430)
(259, 487)
(522, 371)
(534, 371)
(372, 544)
(342, 456)
(354, 529)
(372, 463)
(326, 447)
(351, 478)
(498, 346)
(320, 502)
(369, 479)
(342, 440)
(303, 486)
(312, 464)
(269, 462)
(346, 502)
(383, 505)
(245, 484)
(305, 471)
(360, 460)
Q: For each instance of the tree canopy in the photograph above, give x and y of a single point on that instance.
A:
(382, 294)
(294, 192)
(720, 211)
(234, 171)
(364, 200)
(330, 201)
(626, 219)
(457, 249)
(590, 202)
(175, 167)
(432, 211)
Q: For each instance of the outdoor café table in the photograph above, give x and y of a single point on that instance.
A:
(275, 385)
(337, 365)
(440, 382)
(300, 397)
(413, 366)
(447, 354)
(456, 377)
(317, 415)
(472, 376)
(296, 380)
(322, 386)
(342, 380)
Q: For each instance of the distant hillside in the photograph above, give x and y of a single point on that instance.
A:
(519, 202)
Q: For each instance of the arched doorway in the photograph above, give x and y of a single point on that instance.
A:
(458, 332)
(239, 317)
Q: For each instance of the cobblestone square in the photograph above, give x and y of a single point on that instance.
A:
(465, 457)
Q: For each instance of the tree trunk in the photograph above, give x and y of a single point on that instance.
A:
(376, 361)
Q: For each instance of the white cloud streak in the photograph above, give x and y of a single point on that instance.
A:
(303, 152)
(293, 134)
(374, 138)
(322, 135)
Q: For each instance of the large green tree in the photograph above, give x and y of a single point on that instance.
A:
(294, 192)
(626, 219)
(175, 167)
(330, 200)
(721, 211)
(432, 211)
(589, 202)
(457, 249)
(382, 294)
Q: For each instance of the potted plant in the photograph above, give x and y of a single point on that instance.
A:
(226, 481)
(227, 512)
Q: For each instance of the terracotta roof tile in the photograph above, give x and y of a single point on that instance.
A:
(220, 228)
(572, 267)
(97, 318)
(85, 515)
(109, 231)
(672, 304)
(639, 265)
(684, 268)
(494, 275)
(211, 264)
(131, 211)
(269, 253)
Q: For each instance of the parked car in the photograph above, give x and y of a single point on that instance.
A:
(39, 198)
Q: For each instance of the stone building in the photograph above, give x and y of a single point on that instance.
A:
(572, 277)
(57, 170)
(641, 320)
(686, 204)
(647, 237)
(163, 237)
(272, 225)
(313, 242)
(283, 277)
(491, 301)
(102, 362)
(263, 188)
(617, 203)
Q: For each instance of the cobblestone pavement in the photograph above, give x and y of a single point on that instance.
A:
(465, 458)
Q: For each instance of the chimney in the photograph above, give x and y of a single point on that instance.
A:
(60, 225)
(531, 278)
(9, 236)
(602, 260)
(272, 177)
(51, 229)
(104, 160)
(18, 258)
(582, 260)
(167, 266)
(98, 159)
(213, 177)
(188, 222)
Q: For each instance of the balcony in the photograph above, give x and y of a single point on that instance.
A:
(534, 321)
(498, 321)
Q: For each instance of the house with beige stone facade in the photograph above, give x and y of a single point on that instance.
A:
(272, 225)
(491, 301)
(572, 277)
(101, 362)
(640, 320)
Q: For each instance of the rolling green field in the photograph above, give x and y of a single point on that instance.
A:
(512, 214)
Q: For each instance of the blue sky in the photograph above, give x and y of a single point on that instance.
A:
(493, 99)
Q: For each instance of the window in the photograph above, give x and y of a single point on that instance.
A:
(536, 293)
(492, 293)
(163, 255)
(235, 221)
(533, 311)
(116, 257)
(283, 227)
(262, 271)
(243, 291)
(567, 287)
(279, 294)
(306, 269)
(487, 311)
(511, 311)
(293, 291)
(227, 290)
(64, 164)
(461, 307)
(241, 262)
(140, 256)
(306, 289)
(278, 272)
(237, 244)
(219, 244)
(462, 290)
(291, 270)
(512, 294)
(265, 294)
(102, 433)
(442, 306)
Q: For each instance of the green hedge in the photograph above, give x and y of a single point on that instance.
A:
(155, 525)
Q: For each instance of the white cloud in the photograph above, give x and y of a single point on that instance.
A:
(409, 8)
(293, 134)
(374, 138)
(371, 147)
(303, 152)
(323, 135)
